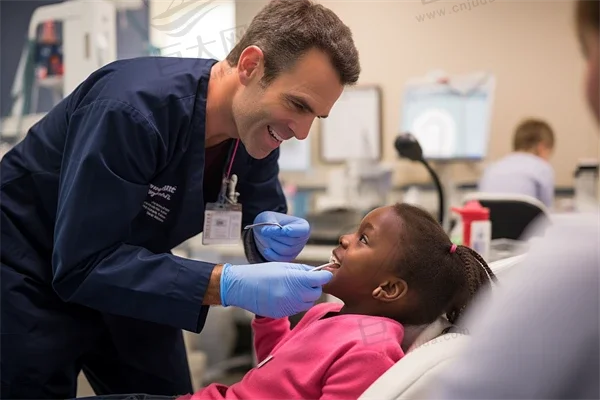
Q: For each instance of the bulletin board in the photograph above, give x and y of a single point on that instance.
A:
(353, 128)
(294, 155)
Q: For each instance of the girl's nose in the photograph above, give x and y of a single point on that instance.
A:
(344, 241)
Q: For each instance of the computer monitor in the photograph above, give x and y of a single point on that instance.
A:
(450, 119)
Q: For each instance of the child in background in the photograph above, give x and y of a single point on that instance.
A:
(527, 170)
(398, 269)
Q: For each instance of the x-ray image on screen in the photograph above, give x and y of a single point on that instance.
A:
(449, 123)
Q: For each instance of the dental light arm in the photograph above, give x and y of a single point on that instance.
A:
(408, 147)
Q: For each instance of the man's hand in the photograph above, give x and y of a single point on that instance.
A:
(273, 289)
(280, 244)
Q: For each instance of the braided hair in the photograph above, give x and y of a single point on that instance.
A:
(478, 275)
(444, 276)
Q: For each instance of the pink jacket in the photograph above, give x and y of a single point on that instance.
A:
(330, 358)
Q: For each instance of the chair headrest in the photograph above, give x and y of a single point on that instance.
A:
(412, 376)
(416, 335)
(506, 198)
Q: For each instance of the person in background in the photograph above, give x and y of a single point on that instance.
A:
(527, 169)
(539, 337)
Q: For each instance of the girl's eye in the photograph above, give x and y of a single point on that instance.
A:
(363, 239)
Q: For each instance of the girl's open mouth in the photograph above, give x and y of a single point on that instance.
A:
(335, 263)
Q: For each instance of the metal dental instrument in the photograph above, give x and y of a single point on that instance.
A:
(263, 223)
(320, 267)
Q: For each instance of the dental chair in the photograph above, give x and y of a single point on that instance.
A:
(431, 351)
(512, 215)
(428, 350)
(501, 268)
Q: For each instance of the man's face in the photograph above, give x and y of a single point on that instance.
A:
(592, 82)
(287, 107)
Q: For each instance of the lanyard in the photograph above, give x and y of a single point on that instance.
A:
(229, 181)
(237, 143)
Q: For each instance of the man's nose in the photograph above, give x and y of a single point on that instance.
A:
(303, 128)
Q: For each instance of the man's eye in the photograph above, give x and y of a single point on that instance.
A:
(363, 239)
(299, 106)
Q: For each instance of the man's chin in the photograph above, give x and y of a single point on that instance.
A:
(258, 154)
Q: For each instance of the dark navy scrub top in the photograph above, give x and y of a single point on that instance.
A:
(109, 181)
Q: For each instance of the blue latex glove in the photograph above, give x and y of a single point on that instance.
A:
(274, 290)
(280, 244)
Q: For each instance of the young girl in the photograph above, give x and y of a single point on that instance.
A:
(398, 269)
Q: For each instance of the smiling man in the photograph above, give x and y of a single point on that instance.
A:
(143, 155)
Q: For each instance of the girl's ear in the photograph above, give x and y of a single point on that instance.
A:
(391, 290)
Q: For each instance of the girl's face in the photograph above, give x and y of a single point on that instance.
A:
(592, 82)
(367, 260)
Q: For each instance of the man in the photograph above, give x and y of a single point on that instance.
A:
(123, 170)
(539, 336)
(527, 169)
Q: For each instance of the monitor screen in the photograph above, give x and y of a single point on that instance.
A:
(450, 123)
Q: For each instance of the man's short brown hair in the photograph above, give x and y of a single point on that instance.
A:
(530, 133)
(286, 29)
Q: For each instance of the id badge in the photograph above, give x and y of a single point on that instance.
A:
(222, 224)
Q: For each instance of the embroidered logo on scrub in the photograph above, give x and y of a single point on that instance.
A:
(154, 208)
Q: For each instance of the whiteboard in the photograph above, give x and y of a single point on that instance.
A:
(353, 128)
(294, 155)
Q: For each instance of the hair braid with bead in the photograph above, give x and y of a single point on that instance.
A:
(445, 276)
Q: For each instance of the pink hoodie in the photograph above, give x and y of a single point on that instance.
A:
(332, 358)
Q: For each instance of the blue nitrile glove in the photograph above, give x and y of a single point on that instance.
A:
(280, 244)
(274, 289)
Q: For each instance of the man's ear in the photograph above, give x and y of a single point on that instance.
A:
(250, 64)
(391, 290)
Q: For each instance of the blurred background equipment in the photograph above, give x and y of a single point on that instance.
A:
(358, 182)
(450, 115)
(450, 118)
(408, 147)
(586, 186)
(65, 41)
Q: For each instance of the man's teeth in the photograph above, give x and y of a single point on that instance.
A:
(274, 134)
(334, 260)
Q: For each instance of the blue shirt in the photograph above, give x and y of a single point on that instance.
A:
(520, 173)
(110, 180)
